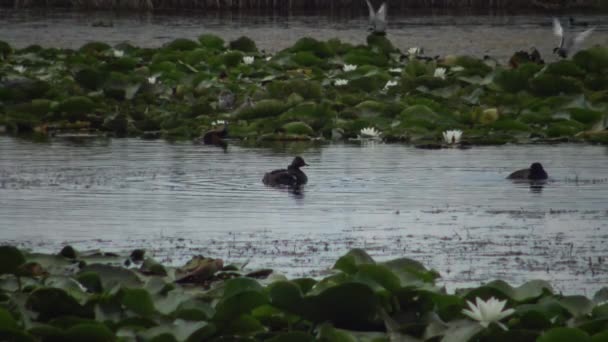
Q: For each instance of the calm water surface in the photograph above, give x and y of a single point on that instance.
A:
(440, 34)
(451, 209)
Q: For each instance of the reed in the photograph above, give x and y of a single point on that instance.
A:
(304, 4)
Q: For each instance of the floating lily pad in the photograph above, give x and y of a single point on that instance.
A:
(243, 44)
(11, 258)
(564, 335)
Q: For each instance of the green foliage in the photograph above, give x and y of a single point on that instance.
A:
(182, 44)
(232, 58)
(11, 259)
(551, 85)
(565, 68)
(306, 58)
(365, 57)
(263, 109)
(211, 41)
(381, 43)
(94, 48)
(564, 128)
(5, 49)
(90, 78)
(244, 44)
(586, 116)
(514, 80)
(76, 107)
(319, 49)
(298, 128)
(472, 66)
(593, 60)
(309, 90)
(354, 302)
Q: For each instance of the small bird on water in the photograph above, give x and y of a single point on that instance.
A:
(536, 172)
(291, 177)
(377, 20)
(569, 41)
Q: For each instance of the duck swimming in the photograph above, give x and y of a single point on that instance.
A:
(291, 177)
(217, 135)
(535, 172)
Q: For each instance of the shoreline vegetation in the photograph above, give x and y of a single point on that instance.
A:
(145, 5)
(312, 91)
(96, 296)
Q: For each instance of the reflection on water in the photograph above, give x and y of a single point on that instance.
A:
(452, 209)
(440, 33)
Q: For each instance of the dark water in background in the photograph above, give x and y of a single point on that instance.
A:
(439, 33)
(451, 209)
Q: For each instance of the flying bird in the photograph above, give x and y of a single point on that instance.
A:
(377, 20)
(569, 41)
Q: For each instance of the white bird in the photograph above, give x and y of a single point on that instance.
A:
(568, 41)
(377, 20)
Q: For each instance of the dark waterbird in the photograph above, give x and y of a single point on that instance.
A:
(535, 172)
(217, 135)
(291, 177)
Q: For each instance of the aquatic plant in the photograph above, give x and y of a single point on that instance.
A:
(175, 89)
(76, 295)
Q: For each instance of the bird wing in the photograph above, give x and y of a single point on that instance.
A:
(372, 13)
(382, 12)
(580, 38)
(558, 30)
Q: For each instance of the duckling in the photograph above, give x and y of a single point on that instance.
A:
(377, 20)
(568, 40)
(291, 177)
(535, 172)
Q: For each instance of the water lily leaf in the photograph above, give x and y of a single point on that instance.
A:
(138, 301)
(54, 264)
(336, 305)
(46, 332)
(6, 320)
(411, 272)
(131, 90)
(349, 263)
(181, 330)
(528, 291)
(577, 305)
(461, 330)
(168, 303)
(11, 258)
(89, 332)
(564, 335)
(286, 295)
(601, 295)
(241, 295)
(112, 276)
(600, 311)
(243, 325)
(601, 337)
(295, 336)
(51, 303)
(379, 274)
(71, 286)
(594, 326)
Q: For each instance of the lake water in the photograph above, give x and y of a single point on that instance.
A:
(451, 209)
(439, 33)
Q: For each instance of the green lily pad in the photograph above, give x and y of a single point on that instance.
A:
(349, 263)
(50, 303)
(11, 258)
(564, 335)
(138, 301)
(296, 336)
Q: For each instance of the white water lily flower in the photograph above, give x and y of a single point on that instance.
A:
(440, 73)
(486, 312)
(248, 60)
(268, 58)
(340, 82)
(349, 67)
(218, 122)
(452, 136)
(369, 133)
(457, 68)
(118, 53)
(152, 79)
(19, 68)
(389, 84)
(395, 70)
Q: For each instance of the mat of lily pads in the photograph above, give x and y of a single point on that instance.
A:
(96, 296)
(313, 90)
